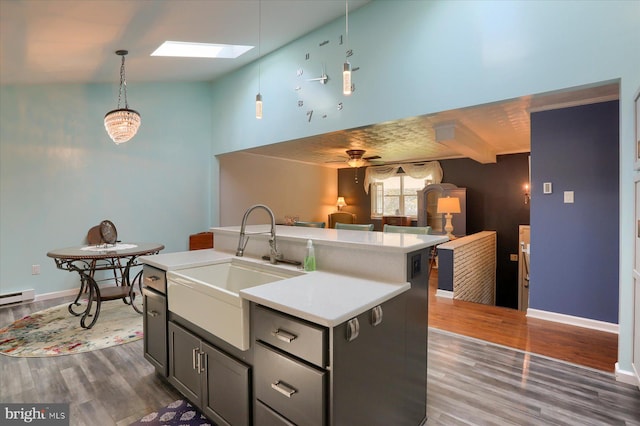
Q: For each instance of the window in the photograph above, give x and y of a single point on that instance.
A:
(397, 195)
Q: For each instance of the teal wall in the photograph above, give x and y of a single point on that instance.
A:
(420, 57)
(60, 174)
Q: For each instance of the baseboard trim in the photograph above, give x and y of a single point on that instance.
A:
(625, 376)
(56, 294)
(69, 292)
(446, 294)
(571, 320)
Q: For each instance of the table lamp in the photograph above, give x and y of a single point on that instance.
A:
(448, 206)
(340, 203)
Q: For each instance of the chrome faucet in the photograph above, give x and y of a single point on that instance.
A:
(242, 242)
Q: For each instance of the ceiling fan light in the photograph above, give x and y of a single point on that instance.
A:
(122, 124)
(355, 162)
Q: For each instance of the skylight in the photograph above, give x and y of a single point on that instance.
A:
(185, 49)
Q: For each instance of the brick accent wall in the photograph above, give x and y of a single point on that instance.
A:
(474, 266)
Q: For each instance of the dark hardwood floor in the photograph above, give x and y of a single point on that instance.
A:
(510, 327)
(470, 382)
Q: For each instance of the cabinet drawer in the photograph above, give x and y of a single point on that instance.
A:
(265, 416)
(294, 389)
(155, 278)
(297, 337)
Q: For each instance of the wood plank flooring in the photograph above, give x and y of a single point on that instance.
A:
(112, 386)
(470, 382)
(509, 327)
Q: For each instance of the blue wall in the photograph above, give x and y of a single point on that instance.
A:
(574, 247)
(60, 174)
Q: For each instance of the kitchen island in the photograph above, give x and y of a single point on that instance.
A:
(343, 345)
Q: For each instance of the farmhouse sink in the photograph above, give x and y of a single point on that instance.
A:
(208, 296)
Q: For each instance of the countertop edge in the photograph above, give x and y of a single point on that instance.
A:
(325, 321)
(341, 237)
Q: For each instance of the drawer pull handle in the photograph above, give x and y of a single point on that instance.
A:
(284, 336)
(152, 278)
(153, 313)
(283, 389)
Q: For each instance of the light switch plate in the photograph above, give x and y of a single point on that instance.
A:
(568, 197)
(547, 188)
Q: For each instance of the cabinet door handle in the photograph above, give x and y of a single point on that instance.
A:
(153, 313)
(196, 359)
(284, 336)
(353, 329)
(202, 361)
(283, 389)
(376, 315)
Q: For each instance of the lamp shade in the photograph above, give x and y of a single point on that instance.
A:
(341, 202)
(449, 205)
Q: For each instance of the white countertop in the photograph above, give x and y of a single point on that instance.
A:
(321, 297)
(324, 298)
(337, 291)
(361, 240)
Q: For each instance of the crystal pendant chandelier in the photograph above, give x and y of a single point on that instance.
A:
(122, 123)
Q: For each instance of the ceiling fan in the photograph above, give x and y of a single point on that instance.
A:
(356, 158)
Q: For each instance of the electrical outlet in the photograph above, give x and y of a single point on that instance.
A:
(513, 257)
(415, 265)
(35, 269)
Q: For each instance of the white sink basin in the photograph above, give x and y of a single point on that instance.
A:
(208, 296)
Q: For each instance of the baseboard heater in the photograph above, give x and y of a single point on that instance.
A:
(17, 297)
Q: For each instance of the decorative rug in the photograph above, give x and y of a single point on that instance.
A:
(179, 412)
(54, 331)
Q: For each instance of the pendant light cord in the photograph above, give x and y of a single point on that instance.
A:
(346, 6)
(259, 40)
(123, 86)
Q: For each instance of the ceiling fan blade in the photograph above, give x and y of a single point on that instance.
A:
(373, 157)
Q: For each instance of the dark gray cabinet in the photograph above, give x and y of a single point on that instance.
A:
(370, 369)
(290, 379)
(361, 371)
(214, 381)
(155, 329)
(154, 320)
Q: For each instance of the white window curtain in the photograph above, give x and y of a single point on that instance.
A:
(417, 171)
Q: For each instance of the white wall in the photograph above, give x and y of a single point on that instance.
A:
(288, 188)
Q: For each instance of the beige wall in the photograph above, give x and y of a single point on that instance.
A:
(288, 188)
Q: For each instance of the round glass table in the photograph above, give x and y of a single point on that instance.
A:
(87, 260)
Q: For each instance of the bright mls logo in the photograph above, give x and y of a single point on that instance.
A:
(34, 414)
